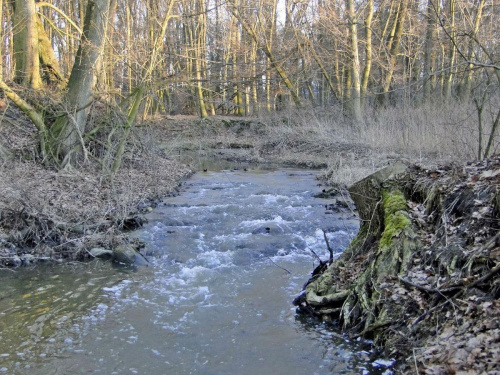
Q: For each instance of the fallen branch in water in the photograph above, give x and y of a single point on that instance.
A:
(273, 262)
(330, 261)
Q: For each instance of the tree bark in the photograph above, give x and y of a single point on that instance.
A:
(27, 71)
(355, 104)
(451, 62)
(1, 39)
(48, 59)
(368, 52)
(430, 50)
(393, 46)
(466, 88)
(68, 129)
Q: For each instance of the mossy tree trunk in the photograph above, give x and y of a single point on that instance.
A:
(48, 59)
(68, 129)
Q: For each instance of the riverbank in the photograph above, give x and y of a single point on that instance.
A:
(49, 215)
(422, 277)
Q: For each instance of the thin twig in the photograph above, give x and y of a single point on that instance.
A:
(485, 277)
(430, 290)
(330, 261)
(430, 311)
(316, 255)
(273, 262)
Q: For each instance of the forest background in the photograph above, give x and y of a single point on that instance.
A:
(421, 75)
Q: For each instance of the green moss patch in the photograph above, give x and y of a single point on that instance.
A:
(396, 218)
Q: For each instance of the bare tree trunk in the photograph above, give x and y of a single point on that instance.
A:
(68, 129)
(368, 52)
(433, 8)
(466, 89)
(109, 56)
(1, 40)
(254, 95)
(26, 44)
(199, 54)
(275, 64)
(355, 104)
(140, 90)
(451, 63)
(394, 44)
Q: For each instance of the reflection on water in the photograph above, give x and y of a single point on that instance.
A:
(43, 307)
(228, 256)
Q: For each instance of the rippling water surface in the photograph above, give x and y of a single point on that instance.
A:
(228, 255)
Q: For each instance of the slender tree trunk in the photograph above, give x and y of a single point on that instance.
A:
(9, 14)
(141, 88)
(368, 52)
(109, 56)
(239, 109)
(129, 46)
(433, 8)
(26, 44)
(355, 104)
(199, 53)
(451, 70)
(466, 89)
(254, 92)
(270, 42)
(394, 44)
(492, 135)
(1, 40)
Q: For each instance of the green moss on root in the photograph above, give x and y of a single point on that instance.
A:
(395, 217)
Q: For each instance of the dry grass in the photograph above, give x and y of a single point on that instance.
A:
(427, 135)
(61, 214)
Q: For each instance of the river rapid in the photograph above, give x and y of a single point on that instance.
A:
(227, 257)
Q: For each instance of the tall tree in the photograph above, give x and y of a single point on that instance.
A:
(26, 44)
(368, 51)
(266, 48)
(355, 104)
(393, 48)
(465, 90)
(433, 12)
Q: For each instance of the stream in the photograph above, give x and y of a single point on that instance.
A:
(228, 255)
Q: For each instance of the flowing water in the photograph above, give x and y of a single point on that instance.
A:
(228, 255)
